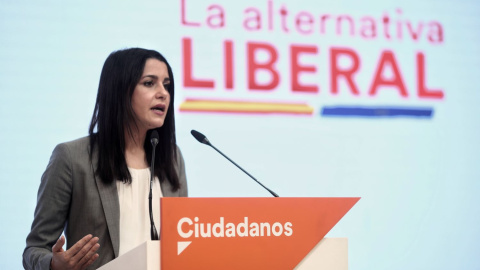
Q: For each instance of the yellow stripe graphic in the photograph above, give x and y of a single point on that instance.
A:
(192, 105)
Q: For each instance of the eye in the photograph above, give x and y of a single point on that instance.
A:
(167, 86)
(148, 83)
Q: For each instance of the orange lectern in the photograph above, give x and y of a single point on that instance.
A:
(244, 233)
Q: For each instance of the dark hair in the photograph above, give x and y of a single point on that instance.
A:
(113, 114)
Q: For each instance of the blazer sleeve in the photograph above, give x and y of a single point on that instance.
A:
(51, 212)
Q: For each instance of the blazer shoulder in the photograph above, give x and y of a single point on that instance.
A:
(80, 146)
(79, 143)
(72, 153)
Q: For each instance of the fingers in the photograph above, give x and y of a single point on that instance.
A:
(79, 245)
(91, 260)
(81, 255)
(88, 250)
(58, 247)
(90, 256)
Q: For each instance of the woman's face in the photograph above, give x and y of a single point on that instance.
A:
(150, 99)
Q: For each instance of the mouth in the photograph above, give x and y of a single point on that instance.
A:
(159, 108)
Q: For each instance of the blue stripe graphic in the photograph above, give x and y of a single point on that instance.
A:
(363, 111)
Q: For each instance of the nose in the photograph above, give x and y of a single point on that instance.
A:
(162, 92)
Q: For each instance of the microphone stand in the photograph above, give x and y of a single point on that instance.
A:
(154, 141)
(202, 139)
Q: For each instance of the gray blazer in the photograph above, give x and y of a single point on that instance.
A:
(72, 198)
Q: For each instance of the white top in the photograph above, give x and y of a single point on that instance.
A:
(134, 215)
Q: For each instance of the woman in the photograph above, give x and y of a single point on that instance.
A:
(95, 188)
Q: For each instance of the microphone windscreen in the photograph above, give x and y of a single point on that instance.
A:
(199, 136)
(154, 138)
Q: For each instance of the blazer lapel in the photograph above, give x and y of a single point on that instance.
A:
(111, 208)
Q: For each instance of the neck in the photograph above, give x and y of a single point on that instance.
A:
(134, 151)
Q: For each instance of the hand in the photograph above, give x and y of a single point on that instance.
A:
(79, 256)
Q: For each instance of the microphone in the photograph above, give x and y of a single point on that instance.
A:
(154, 141)
(201, 138)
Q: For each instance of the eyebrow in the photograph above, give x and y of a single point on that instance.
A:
(155, 77)
(150, 76)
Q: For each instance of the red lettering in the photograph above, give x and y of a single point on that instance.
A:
(283, 15)
(369, 27)
(216, 20)
(254, 22)
(339, 24)
(347, 73)
(304, 19)
(296, 68)
(423, 91)
(270, 15)
(435, 34)
(386, 22)
(323, 22)
(228, 64)
(188, 80)
(399, 24)
(253, 66)
(184, 20)
(387, 58)
(414, 34)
